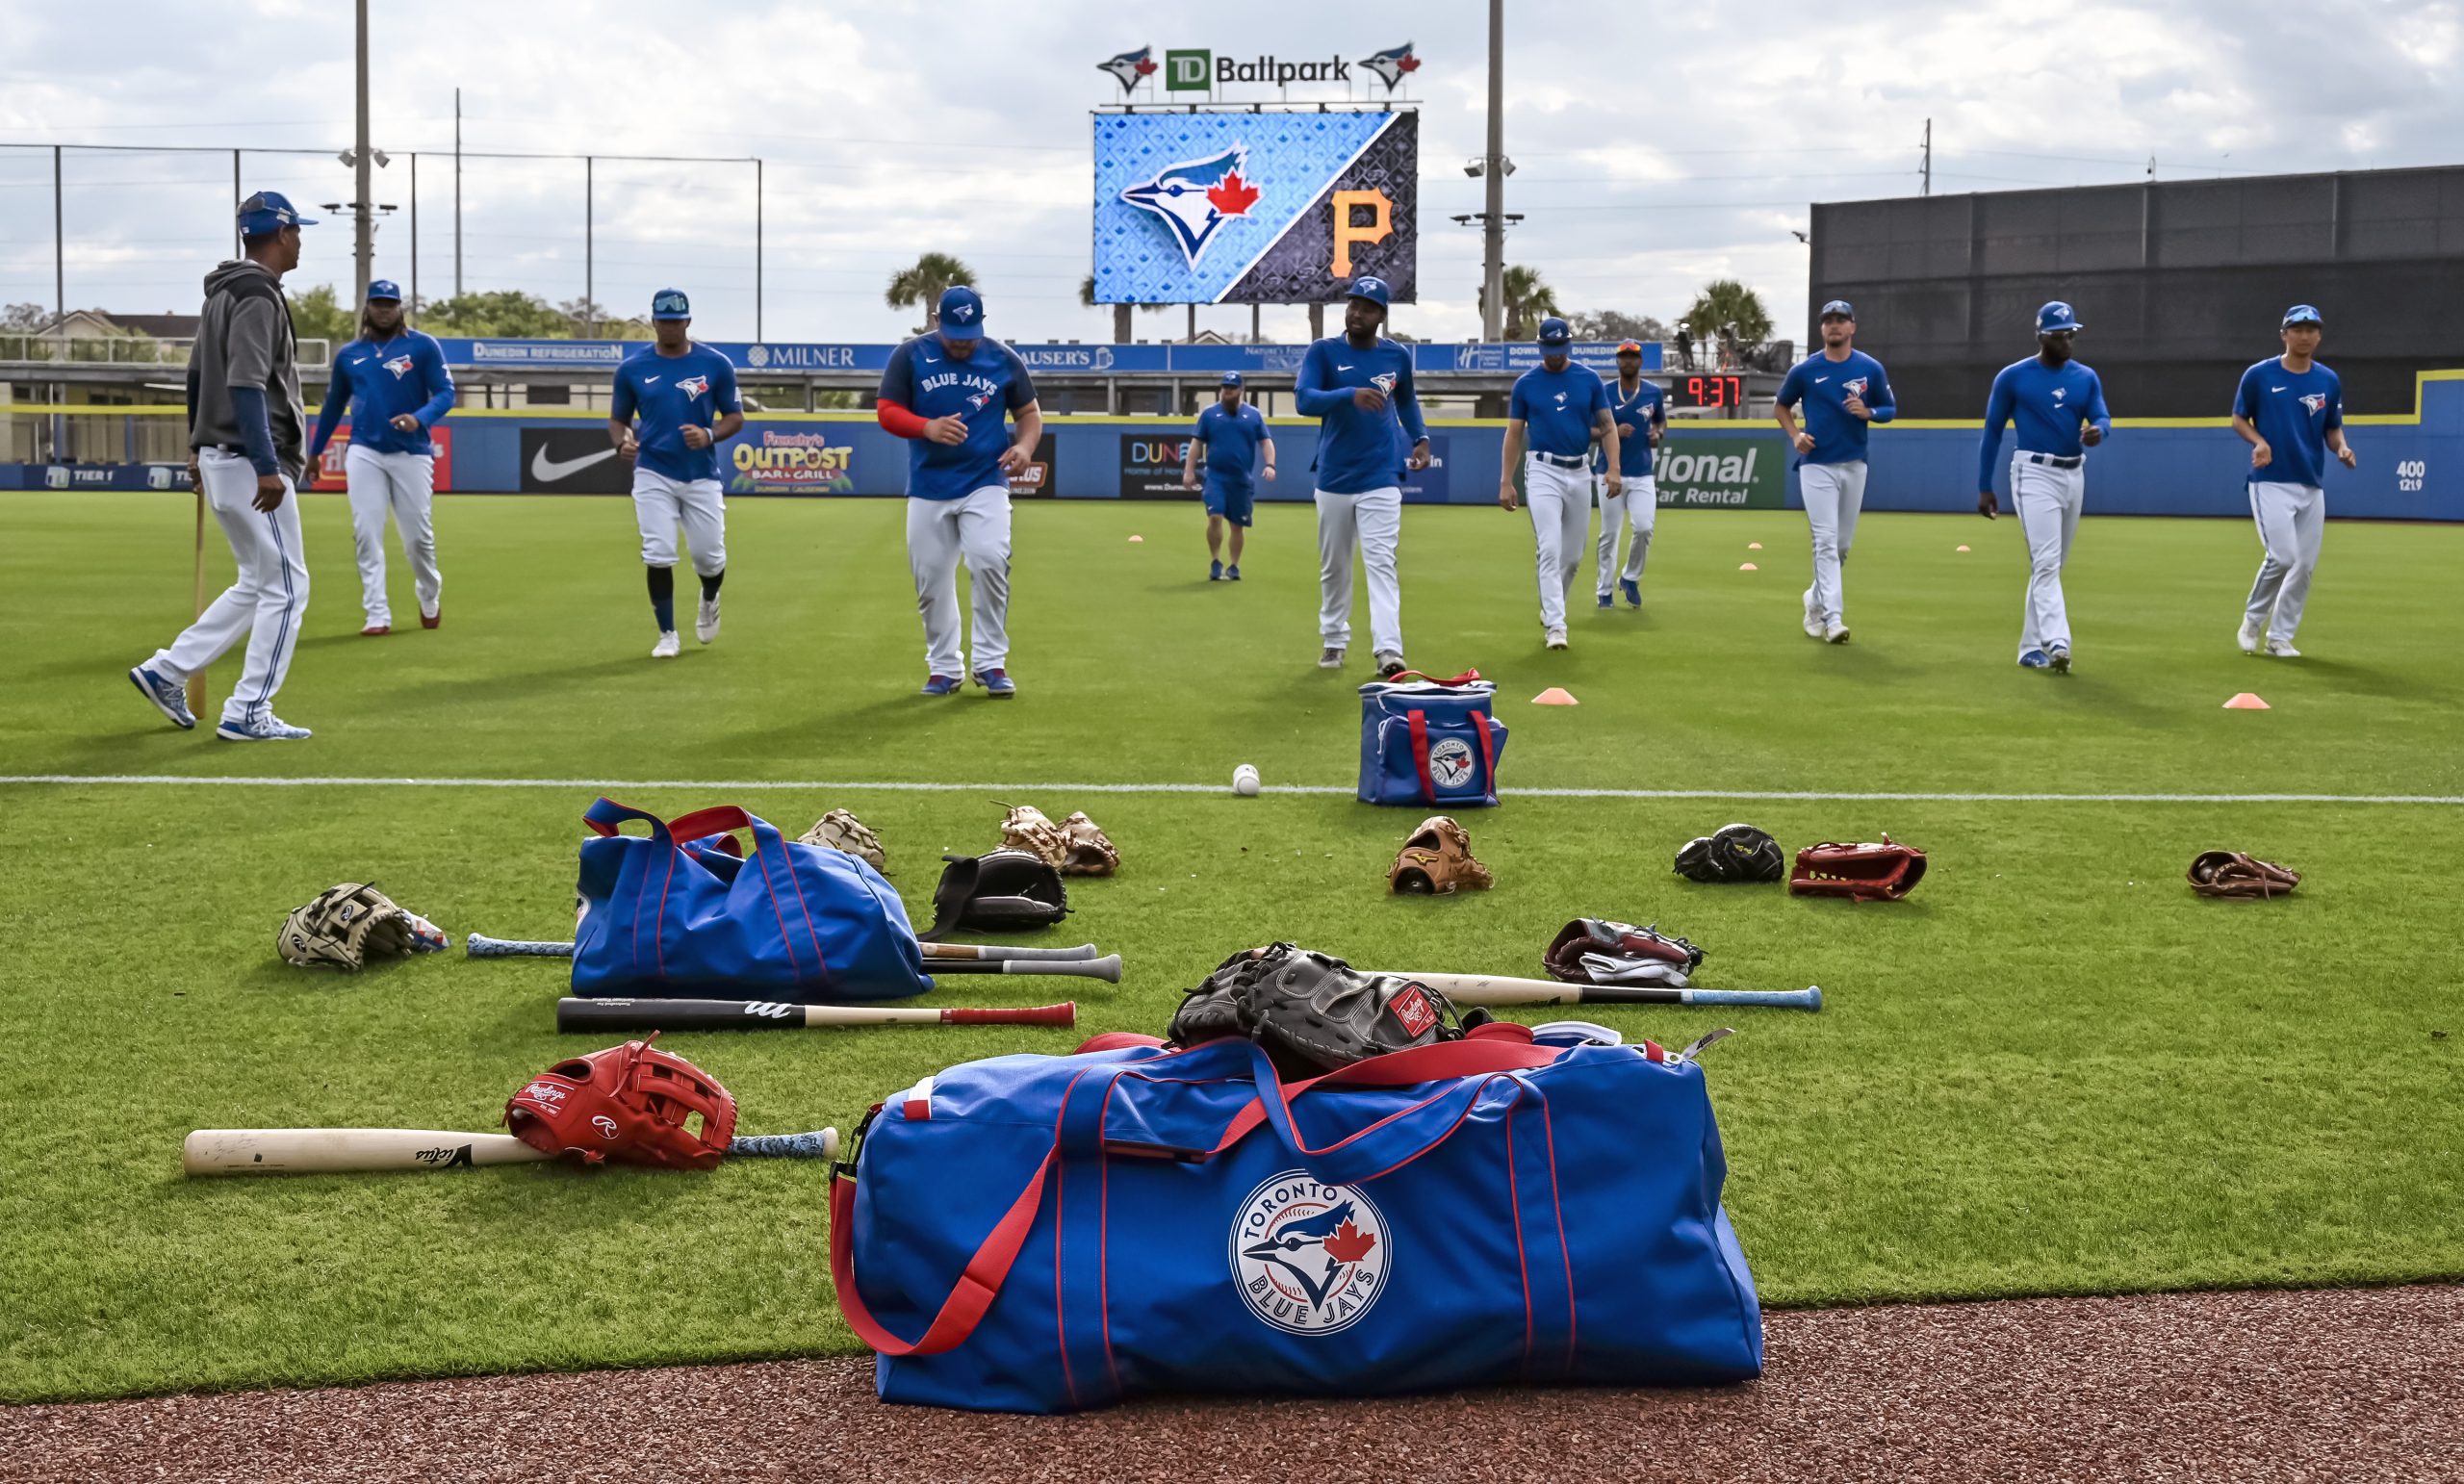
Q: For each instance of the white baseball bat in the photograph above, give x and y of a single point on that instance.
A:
(330, 1151)
(1505, 989)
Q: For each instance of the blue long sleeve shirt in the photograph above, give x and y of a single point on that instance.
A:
(1819, 388)
(1358, 449)
(2293, 411)
(2049, 404)
(377, 381)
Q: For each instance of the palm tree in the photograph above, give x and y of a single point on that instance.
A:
(1120, 312)
(1528, 301)
(1729, 312)
(923, 283)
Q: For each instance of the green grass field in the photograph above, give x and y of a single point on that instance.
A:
(2051, 1070)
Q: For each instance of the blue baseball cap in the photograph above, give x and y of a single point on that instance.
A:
(385, 289)
(1374, 290)
(2056, 317)
(1840, 307)
(2304, 313)
(270, 211)
(1232, 378)
(1554, 331)
(960, 312)
(670, 304)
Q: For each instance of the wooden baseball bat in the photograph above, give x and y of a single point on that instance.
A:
(1495, 989)
(582, 1015)
(329, 1151)
(1106, 968)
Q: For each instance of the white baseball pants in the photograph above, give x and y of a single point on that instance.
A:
(1641, 501)
(1559, 500)
(663, 506)
(267, 601)
(405, 485)
(1834, 494)
(2047, 502)
(2293, 525)
(939, 533)
(1371, 521)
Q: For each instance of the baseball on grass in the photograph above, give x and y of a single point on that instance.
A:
(1245, 780)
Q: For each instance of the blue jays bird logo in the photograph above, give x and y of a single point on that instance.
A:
(399, 366)
(2059, 393)
(1383, 381)
(1391, 65)
(1130, 68)
(976, 403)
(1310, 1258)
(694, 386)
(1195, 198)
(2313, 402)
(1856, 387)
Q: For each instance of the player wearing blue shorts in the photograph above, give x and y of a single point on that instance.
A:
(2290, 411)
(1841, 390)
(2059, 406)
(393, 383)
(1229, 438)
(685, 395)
(953, 394)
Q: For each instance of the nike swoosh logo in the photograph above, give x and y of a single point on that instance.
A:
(650, 381)
(1819, 380)
(2275, 389)
(1343, 368)
(544, 468)
(931, 360)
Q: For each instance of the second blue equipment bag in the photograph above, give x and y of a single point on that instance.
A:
(1046, 1234)
(1429, 743)
(681, 912)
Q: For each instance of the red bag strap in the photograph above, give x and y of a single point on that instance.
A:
(1472, 1056)
(718, 819)
(1420, 755)
(1465, 679)
(1488, 753)
(977, 1286)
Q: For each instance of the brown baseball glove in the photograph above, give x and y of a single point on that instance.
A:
(347, 923)
(1089, 851)
(1883, 872)
(841, 830)
(1435, 860)
(1030, 830)
(630, 1104)
(2229, 873)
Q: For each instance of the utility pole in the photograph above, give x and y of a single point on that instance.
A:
(457, 192)
(589, 242)
(1492, 206)
(1928, 189)
(415, 231)
(59, 248)
(236, 198)
(363, 206)
(756, 249)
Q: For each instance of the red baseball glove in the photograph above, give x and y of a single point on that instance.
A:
(1867, 872)
(628, 1104)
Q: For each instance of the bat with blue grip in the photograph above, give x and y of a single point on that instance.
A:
(1498, 989)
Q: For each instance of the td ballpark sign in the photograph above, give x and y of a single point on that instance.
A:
(1198, 69)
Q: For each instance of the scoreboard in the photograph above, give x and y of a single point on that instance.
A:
(1719, 392)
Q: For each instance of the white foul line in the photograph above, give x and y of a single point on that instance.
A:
(809, 785)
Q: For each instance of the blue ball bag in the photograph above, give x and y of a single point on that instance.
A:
(1429, 743)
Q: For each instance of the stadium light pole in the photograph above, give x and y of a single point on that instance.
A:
(1493, 216)
(457, 192)
(363, 200)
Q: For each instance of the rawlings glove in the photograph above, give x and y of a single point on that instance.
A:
(1435, 860)
(347, 923)
(630, 1104)
(1595, 951)
(2229, 873)
(1002, 891)
(1087, 850)
(1735, 853)
(841, 831)
(1313, 1014)
(1867, 873)
(1029, 829)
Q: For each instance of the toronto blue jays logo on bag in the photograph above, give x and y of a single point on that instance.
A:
(1310, 1256)
(1427, 742)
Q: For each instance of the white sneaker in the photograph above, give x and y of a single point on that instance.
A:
(1814, 618)
(668, 645)
(2248, 637)
(2282, 649)
(706, 623)
(1556, 638)
(261, 725)
(1834, 633)
(1331, 658)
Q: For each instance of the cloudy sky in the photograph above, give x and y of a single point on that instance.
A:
(1658, 145)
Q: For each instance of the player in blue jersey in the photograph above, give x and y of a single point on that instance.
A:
(2290, 411)
(685, 395)
(1557, 408)
(1641, 413)
(954, 394)
(1359, 386)
(2060, 405)
(393, 382)
(1841, 390)
(1229, 438)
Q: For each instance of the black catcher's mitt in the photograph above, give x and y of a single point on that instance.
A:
(1002, 891)
(1735, 853)
(1313, 1014)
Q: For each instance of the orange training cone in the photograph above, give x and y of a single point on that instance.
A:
(1748, 567)
(1135, 540)
(1754, 546)
(2245, 702)
(1555, 696)
(1962, 549)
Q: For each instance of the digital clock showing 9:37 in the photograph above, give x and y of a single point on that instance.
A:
(1708, 390)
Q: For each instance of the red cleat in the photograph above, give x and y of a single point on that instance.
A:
(431, 619)
(377, 630)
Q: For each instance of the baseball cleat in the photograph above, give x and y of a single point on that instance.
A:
(2059, 657)
(996, 683)
(375, 630)
(173, 700)
(1215, 572)
(1834, 633)
(1632, 590)
(1232, 573)
(706, 623)
(431, 614)
(261, 725)
(1554, 638)
(1331, 658)
(1389, 665)
(2248, 637)
(939, 686)
(2033, 659)
(2282, 649)
(1608, 602)
(1814, 618)
(668, 645)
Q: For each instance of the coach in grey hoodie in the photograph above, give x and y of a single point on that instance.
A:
(248, 440)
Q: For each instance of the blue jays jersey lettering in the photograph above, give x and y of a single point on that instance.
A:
(1820, 387)
(1231, 440)
(984, 389)
(665, 393)
(2293, 411)
(1557, 408)
(377, 381)
(1645, 407)
(2050, 403)
(1358, 449)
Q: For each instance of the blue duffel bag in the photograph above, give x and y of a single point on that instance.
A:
(1428, 742)
(680, 912)
(1045, 1234)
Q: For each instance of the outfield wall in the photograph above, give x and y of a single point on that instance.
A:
(2409, 464)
